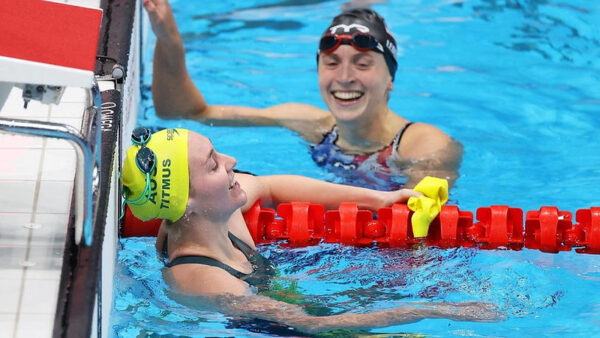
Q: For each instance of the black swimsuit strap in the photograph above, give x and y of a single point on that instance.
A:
(403, 130)
(242, 246)
(238, 243)
(204, 260)
(398, 138)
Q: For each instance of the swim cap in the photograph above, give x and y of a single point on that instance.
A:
(169, 181)
(364, 20)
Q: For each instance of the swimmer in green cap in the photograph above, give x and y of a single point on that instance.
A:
(178, 176)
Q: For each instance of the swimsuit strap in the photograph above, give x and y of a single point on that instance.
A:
(331, 137)
(242, 246)
(238, 243)
(398, 137)
(204, 260)
(334, 129)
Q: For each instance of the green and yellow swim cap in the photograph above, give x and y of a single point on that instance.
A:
(169, 182)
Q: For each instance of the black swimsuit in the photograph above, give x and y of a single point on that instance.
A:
(262, 272)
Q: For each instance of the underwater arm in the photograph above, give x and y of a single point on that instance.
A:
(265, 308)
(213, 287)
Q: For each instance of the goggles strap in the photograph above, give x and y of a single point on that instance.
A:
(145, 194)
(122, 209)
(138, 201)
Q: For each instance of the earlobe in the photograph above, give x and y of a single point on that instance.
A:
(390, 85)
(186, 214)
(189, 208)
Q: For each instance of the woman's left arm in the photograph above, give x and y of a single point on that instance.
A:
(276, 189)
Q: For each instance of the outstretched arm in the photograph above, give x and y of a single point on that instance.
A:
(292, 315)
(176, 96)
(276, 189)
(217, 288)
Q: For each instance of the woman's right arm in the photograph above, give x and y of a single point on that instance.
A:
(176, 96)
(173, 90)
(293, 315)
(202, 286)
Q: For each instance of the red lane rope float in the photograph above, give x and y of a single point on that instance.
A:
(495, 227)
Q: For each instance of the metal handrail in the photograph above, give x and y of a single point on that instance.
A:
(87, 144)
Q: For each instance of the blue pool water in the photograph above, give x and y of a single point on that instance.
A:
(516, 82)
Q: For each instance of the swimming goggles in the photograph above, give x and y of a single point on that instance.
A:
(360, 41)
(145, 159)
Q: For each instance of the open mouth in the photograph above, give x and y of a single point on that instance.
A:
(232, 182)
(347, 96)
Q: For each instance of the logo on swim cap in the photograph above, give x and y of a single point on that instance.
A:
(348, 28)
(170, 134)
(390, 45)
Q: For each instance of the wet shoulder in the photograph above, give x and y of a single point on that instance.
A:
(422, 139)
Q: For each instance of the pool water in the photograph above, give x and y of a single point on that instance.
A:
(516, 82)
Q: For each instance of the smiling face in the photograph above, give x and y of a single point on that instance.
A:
(214, 192)
(354, 84)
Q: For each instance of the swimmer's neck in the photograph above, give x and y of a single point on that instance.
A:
(201, 236)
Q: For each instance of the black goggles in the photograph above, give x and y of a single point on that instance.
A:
(145, 159)
(360, 41)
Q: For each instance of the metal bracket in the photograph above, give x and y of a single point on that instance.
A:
(87, 144)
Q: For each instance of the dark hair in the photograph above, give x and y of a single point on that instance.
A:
(365, 14)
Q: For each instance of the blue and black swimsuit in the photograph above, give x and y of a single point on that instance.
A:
(376, 170)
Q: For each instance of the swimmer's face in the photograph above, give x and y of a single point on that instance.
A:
(354, 84)
(214, 191)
